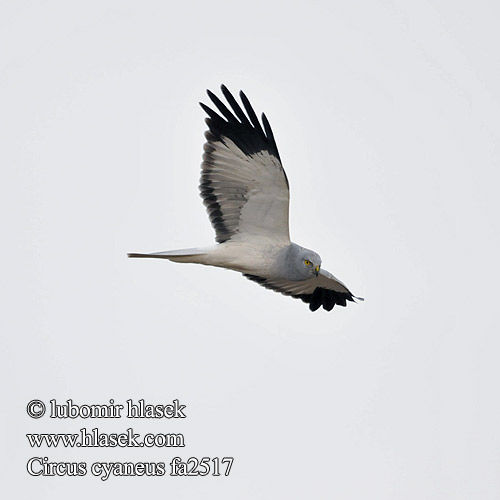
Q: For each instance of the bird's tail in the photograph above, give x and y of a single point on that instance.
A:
(193, 255)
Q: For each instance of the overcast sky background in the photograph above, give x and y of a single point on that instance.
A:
(387, 118)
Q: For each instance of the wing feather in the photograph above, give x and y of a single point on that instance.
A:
(243, 184)
(324, 290)
(235, 106)
(251, 112)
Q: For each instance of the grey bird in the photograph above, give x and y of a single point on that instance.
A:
(246, 192)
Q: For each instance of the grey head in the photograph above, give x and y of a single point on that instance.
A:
(297, 263)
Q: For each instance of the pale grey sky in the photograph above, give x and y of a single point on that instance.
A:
(387, 118)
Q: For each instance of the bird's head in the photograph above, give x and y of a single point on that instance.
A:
(307, 263)
(311, 262)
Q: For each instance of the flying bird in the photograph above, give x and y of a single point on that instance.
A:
(246, 193)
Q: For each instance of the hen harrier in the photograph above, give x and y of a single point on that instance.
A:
(245, 190)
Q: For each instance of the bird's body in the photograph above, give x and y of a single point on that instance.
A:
(267, 259)
(246, 192)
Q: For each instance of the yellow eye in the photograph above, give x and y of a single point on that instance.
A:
(307, 262)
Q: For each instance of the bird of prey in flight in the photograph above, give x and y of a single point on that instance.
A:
(246, 192)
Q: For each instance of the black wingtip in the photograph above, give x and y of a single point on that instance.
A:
(225, 112)
(251, 113)
(209, 111)
(239, 123)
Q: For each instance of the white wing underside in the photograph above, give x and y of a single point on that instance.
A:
(251, 191)
(243, 184)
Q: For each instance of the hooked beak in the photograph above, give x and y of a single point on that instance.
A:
(316, 271)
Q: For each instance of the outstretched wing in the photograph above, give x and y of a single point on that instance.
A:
(243, 184)
(324, 290)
